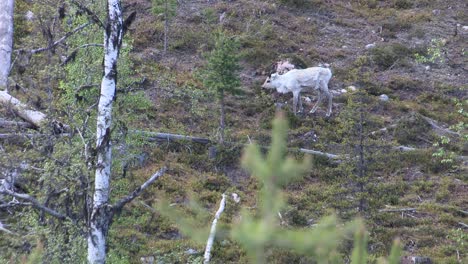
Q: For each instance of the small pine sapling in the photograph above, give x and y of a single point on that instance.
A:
(221, 74)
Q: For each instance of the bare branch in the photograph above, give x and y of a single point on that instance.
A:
(320, 153)
(2, 228)
(35, 203)
(397, 210)
(68, 34)
(122, 202)
(209, 243)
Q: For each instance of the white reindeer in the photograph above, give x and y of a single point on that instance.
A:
(296, 80)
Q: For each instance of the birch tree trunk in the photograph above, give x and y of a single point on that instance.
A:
(6, 47)
(6, 40)
(102, 211)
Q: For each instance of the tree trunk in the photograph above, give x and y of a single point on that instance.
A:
(221, 119)
(102, 212)
(6, 40)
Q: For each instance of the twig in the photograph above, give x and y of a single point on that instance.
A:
(463, 224)
(209, 243)
(122, 202)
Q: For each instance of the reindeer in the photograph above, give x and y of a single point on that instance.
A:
(296, 80)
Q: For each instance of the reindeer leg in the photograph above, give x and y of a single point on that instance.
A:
(317, 103)
(295, 97)
(330, 97)
(300, 104)
(324, 86)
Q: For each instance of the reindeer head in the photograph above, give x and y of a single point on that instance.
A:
(268, 82)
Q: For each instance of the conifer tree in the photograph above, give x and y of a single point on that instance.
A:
(167, 8)
(221, 74)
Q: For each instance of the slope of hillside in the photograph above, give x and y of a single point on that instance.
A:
(334, 32)
(414, 52)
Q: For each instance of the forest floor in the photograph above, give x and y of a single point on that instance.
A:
(338, 33)
(414, 52)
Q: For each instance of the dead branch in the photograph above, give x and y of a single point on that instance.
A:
(14, 124)
(35, 203)
(167, 137)
(53, 45)
(2, 228)
(27, 135)
(19, 136)
(319, 153)
(209, 243)
(397, 210)
(463, 212)
(122, 202)
(154, 136)
(463, 224)
(438, 129)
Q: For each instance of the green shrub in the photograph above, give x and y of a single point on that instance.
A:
(389, 55)
(403, 4)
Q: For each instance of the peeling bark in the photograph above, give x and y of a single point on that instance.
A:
(102, 212)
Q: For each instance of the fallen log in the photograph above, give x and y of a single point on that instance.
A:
(167, 137)
(397, 210)
(155, 136)
(36, 118)
(14, 124)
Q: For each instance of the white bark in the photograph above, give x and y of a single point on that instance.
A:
(6, 40)
(6, 47)
(209, 243)
(34, 117)
(102, 212)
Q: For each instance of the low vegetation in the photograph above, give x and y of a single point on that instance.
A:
(415, 194)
